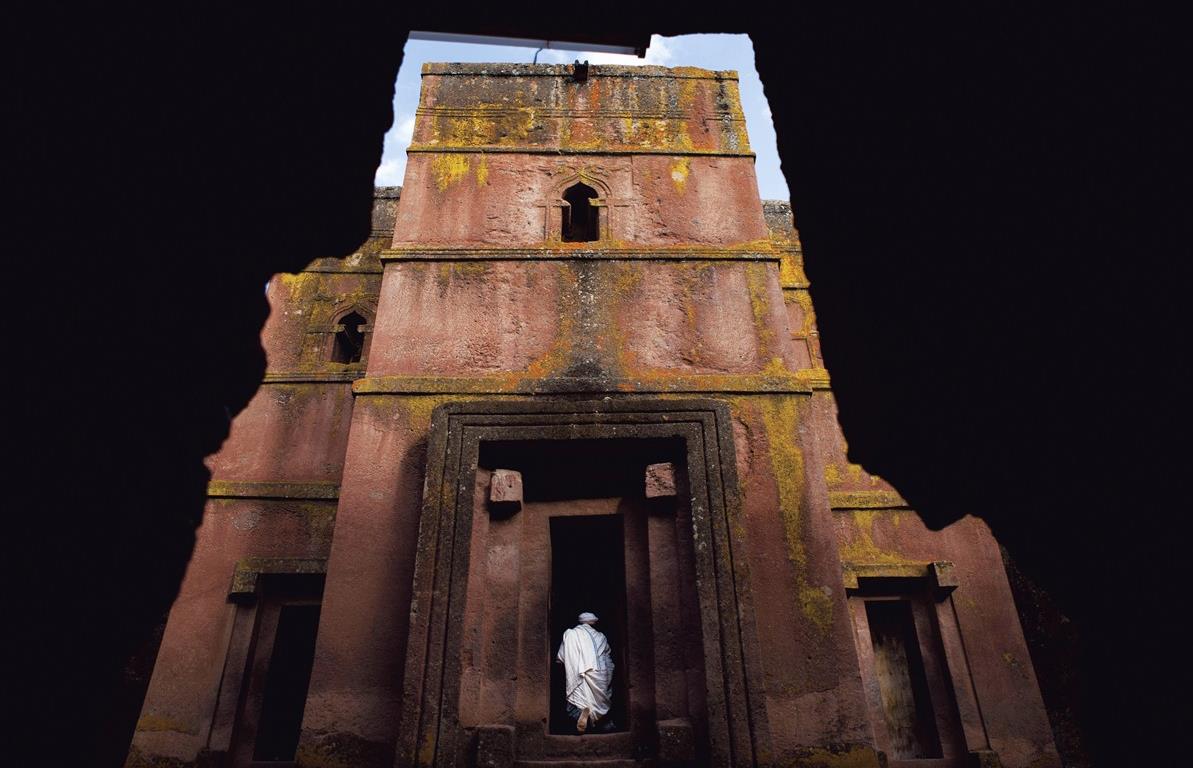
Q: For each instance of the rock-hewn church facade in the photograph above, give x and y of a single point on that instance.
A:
(574, 369)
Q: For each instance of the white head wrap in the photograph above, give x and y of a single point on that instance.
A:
(587, 617)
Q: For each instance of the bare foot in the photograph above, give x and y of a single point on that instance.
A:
(582, 722)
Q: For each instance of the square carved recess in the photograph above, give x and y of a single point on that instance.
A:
(431, 731)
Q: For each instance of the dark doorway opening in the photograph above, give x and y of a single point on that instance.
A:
(588, 574)
(902, 682)
(581, 222)
(349, 345)
(558, 470)
(287, 682)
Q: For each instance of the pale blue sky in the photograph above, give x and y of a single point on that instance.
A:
(708, 51)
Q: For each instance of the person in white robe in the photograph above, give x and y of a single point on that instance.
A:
(588, 672)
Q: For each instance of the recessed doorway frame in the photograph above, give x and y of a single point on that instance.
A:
(430, 732)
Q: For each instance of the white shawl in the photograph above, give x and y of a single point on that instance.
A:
(588, 668)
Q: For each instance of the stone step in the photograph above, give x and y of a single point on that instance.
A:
(578, 763)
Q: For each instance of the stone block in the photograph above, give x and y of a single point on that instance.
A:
(984, 758)
(677, 744)
(495, 746)
(944, 577)
(505, 491)
(660, 480)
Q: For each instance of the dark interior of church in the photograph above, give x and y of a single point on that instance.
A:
(588, 574)
(994, 205)
(287, 664)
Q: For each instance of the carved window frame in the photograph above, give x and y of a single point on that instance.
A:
(603, 202)
(241, 646)
(934, 584)
(329, 333)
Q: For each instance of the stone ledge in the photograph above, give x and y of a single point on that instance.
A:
(241, 489)
(515, 385)
(607, 253)
(312, 377)
(816, 378)
(473, 149)
(636, 72)
(249, 570)
(326, 267)
(940, 574)
(845, 500)
(592, 112)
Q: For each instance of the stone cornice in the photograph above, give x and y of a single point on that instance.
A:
(246, 489)
(312, 377)
(483, 110)
(531, 150)
(515, 384)
(636, 72)
(817, 378)
(326, 266)
(249, 570)
(941, 574)
(846, 500)
(768, 252)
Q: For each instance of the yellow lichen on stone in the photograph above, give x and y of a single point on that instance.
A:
(860, 548)
(757, 283)
(780, 418)
(482, 172)
(738, 139)
(449, 168)
(158, 723)
(817, 605)
(555, 359)
(845, 756)
(679, 174)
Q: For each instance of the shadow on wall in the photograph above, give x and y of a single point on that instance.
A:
(988, 202)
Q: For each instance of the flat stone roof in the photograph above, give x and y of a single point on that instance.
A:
(498, 69)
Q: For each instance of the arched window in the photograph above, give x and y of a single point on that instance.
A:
(581, 222)
(349, 344)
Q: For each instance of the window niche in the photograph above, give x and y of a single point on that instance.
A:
(902, 682)
(270, 656)
(905, 669)
(581, 222)
(348, 343)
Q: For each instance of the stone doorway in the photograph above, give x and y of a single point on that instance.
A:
(520, 499)
(582, 537)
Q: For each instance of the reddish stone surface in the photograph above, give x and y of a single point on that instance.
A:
(506, 485)
(660, 480)
(692, 290)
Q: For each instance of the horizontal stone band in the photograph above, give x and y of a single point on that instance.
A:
(239, 489)
(605, 151)
(424, 253)
(514, 384)
(866, 500)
